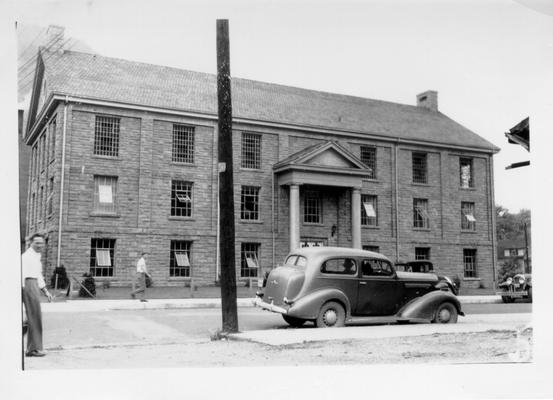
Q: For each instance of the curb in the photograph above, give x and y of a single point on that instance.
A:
(157, 304)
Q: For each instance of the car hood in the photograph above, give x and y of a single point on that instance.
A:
(417, 276)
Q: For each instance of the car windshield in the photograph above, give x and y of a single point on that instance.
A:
(296, 261)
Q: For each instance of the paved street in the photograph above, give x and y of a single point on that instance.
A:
(84, 339)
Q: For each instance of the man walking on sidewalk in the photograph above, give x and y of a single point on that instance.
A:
(141, 272)
(33, 283)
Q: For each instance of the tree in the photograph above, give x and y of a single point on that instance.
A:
(511, 226)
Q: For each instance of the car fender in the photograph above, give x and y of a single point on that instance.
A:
(423, 308)
(307, 307)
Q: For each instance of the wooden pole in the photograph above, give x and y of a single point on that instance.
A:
(226, 189)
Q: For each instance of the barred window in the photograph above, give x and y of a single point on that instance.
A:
(369, 209)
(183, 144)
(422, 253)
(53, 139)
(249, 255)
(50, 201)
(32, 210)
(105, 194)
(420, 213)
(465, 172)
(419, 168)
(249, 203)
(312, 207)
(102, 257)
(181, 198)
(43, 150)
(368, 157)
(179, 259)
(468, 222)
(40, 203)
(106, 136)
(375, 249)
(469, 261)
(251, 150)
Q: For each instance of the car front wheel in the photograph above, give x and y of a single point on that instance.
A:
(446, 314)
(507, 299)
(331, 315)
(293, 322)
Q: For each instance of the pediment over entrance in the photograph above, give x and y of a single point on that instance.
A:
(326, 163)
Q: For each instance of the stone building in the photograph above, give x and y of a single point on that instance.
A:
(124, 159)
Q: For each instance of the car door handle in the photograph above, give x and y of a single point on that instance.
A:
(362, 283)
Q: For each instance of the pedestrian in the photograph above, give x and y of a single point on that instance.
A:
(33, 282)
(141, 272)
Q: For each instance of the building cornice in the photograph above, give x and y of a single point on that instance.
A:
(239, 120)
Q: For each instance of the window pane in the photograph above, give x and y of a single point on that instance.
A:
(312, 207)
(420, 213)
(181, 198)
(419, 168)
(183, 143)
(368, 157)
(249, 255)
(468, 222)
(106, 136)
(105, 194)
(179, 258)
(102, 261)
(249, 203)
(465, 174)
(469, 260)
(251, 151)
(369, 210)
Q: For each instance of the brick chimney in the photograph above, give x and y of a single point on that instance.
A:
(54, 38)
(428, 100)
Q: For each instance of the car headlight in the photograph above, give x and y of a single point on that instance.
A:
(509, 281)
(520, 279)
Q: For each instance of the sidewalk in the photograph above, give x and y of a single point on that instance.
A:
(118, 298)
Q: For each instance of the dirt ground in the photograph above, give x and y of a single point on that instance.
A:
(483, 347)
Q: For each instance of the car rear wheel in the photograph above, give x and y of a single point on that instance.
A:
(331, 315)
(446, 314)
(293, 322)
(530, 294)
(507, 299)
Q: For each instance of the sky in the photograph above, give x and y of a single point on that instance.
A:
(487, 59)
(491, 62)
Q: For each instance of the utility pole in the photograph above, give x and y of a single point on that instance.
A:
(226, 182)
(526, 266)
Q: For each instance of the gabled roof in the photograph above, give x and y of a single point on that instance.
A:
(94, 77)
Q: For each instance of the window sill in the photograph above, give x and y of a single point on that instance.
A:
(113, 158)
(251, 169)
(472, 279)
(422, 229)
(370, 227)
(313, 224)
(103, 214)
(468, 231)
(420, 184)
(178, 218)
(250, 221)
(179, 278)
(470, 189)
(182, 164)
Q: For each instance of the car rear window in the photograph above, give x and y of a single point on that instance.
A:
(296, 261)
(342, 266)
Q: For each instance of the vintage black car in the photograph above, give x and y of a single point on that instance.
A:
(330, 285)
(516, 287)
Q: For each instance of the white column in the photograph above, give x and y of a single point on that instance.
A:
(356, 218)
(294, 217)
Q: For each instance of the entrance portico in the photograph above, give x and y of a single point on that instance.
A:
(326, 165)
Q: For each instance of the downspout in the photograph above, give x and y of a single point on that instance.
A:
(62, 179)
(217, 250)
(396, 199)
(492, 210)
(273, 214)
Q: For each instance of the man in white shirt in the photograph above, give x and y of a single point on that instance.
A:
(33, 283)
(141, 272)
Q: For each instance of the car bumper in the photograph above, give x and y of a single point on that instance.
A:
(258, 302)
(522, 293)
